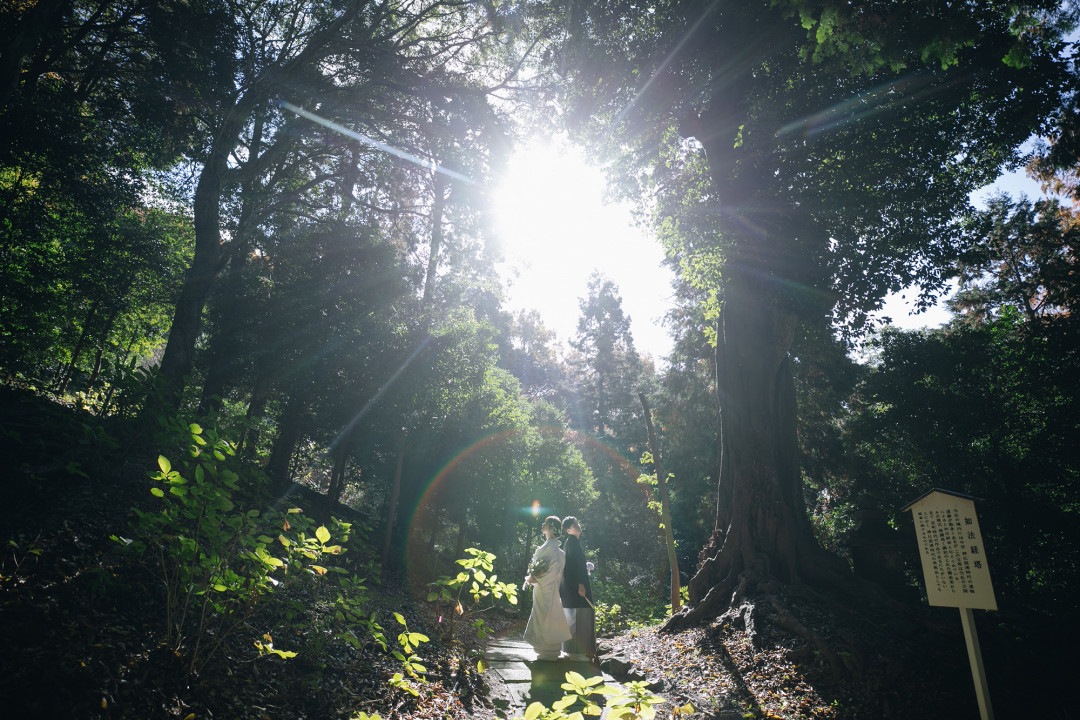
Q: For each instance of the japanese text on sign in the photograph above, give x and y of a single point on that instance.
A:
(952, 553)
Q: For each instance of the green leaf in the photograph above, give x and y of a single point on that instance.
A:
(164, 464)
(533, 711)
(323, 534)
(195, 429)
(480, 666)
(566, 702)
(157, 492)
(399, 618)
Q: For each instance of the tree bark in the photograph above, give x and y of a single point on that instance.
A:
(337, 474)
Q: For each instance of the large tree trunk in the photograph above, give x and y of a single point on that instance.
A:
(768, 535)
(763, 533)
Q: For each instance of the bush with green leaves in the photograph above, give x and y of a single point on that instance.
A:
(477, 578)
(628, 596)
(220, 550)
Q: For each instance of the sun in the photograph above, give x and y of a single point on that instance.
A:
(556, 228)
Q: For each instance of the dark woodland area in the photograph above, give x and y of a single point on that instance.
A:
(273, 446)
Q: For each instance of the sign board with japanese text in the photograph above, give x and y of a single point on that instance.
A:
(952, 552)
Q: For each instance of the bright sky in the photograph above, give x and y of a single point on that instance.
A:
(556, 229)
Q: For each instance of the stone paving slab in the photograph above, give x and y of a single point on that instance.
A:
(526, 679)
(512, 672)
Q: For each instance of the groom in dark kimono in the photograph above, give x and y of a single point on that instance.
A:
(576, 593)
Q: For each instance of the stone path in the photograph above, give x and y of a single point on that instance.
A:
(525, 679)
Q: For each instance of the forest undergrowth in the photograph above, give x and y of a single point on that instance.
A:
(83, 622)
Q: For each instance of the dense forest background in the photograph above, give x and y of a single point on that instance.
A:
(253, 238)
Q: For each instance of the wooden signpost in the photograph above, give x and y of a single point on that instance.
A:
(955, 569)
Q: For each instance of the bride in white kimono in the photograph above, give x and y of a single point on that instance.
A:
(547, 628)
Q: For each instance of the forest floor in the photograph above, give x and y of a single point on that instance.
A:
(82, 630)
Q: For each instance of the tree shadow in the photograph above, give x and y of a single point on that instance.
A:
(712, 644)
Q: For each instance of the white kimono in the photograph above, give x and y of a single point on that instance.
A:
(547, 628)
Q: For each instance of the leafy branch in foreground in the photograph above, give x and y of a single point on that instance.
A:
(632, 701)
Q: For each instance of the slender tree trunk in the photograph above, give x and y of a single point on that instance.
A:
(395, 494)
(337, 475)
(665, 506)
(437, 209)
(225, 355)
(256, 409)
(209, 259)
(127, 354)
(285, 443)
(106, 330)
(97, 363)
(69, 371)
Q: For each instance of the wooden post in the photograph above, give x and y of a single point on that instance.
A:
(978, 672)
(955, 569)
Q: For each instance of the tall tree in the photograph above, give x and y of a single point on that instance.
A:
(607, 363)
(606, 374)
(306, 76)
(1023, 255)
(838, 144)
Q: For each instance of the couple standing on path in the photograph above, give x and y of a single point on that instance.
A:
(562, 613)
